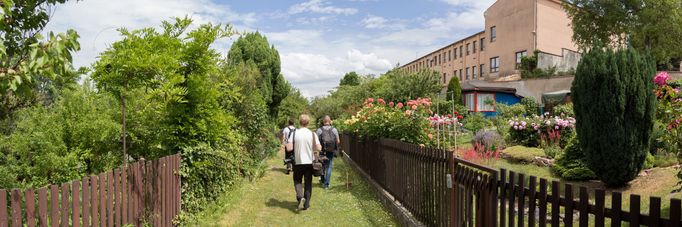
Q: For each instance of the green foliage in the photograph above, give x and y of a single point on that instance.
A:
(51, 145)
(531, 105)
(523, 154)
(32, 65)
(350, 79)
(403, 86)
(476, 122)
(541, 73)
(529, 63)
(665, 160)
(614, 107)
(571, 165)
(632, 23)
(254, 48)
(454, 90)
(564, 110)
(552, 151)
(406, 123)
(649, 161)
(291, 108)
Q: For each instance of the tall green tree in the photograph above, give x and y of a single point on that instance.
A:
(350, 79)
(614, 107)
(454, 90)
(643, 24)
(31, 65)
(254, 47)
(402, 86)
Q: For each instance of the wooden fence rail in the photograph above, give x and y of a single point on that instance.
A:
(442, 190)
(143, 192)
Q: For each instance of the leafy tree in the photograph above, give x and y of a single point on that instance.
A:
(403, 86)
(454, 90)
(30, 64)
(255, 48)
(614, 107)
(292, 106)
(643, 24)
(350, 79)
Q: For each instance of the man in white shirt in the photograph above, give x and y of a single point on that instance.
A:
(304, 143)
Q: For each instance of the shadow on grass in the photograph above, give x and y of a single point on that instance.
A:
(289, 205)
(279, 169)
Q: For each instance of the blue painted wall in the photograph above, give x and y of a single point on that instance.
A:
(500, 97)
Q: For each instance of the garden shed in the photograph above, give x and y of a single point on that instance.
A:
(478, 96)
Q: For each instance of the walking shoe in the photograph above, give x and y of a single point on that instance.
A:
(301, 204)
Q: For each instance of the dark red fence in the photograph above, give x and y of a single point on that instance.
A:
(145, 192)
(442, 190)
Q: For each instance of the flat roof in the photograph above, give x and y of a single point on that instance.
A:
(444, 47)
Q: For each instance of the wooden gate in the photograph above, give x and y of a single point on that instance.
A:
(474, 197)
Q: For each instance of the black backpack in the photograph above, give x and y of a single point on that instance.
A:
(328, 139)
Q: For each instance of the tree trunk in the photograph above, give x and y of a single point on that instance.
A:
(123, 125)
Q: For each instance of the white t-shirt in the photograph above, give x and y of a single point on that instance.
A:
(286, 133)
(303, 146)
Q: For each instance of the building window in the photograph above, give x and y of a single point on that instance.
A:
(469, 101)
(481, 70)
(460, 51)
(519, 56)
(467, 73)
(474, 47)
(467, 49)
(444, 77)
(461, 75)
(473, 72)
(482, 43)
(494, 64)
(493, 34)
(449, 55)
(454, 52)
(484, 102)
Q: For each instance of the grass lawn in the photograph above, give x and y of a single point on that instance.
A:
(271, 201)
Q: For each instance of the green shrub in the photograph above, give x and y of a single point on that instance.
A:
(523, 154)
(614, 107)
(531, 106)
(665, 160)
(649, 161)
(564, 110)
(552, 151)
(476, 122)
(490, 140)
(571, 164)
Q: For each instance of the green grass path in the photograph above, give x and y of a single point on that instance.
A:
(271, 201)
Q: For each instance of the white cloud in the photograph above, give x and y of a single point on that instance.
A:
(372, 21)
(320, 6)
(316, 74)
(96, 21)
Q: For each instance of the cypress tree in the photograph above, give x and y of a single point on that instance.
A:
(454, 87)
(614, 106)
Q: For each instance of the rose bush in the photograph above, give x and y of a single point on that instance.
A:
(669, 111)
(536, 130)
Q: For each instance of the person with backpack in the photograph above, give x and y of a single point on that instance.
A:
(288, 154)
(329, 138)
(304, 143)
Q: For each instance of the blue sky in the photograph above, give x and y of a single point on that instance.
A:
(318, 40)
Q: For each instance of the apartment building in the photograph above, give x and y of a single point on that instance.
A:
(513, 29)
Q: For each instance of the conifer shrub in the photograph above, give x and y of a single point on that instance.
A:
(614, 106)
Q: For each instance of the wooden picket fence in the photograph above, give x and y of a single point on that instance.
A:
(145, 192)
(440, 189)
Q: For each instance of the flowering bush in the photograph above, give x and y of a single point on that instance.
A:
(489, 140)
(532, 132)
(669, 110)
(407, 122)
(479, 154)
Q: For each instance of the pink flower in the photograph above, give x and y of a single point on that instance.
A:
(408, 113)
(391, 104)
(370, 105)
(370, 100)
(381, 101)
(414, 107)
(661, 78)
(430, 136)
(400, 105)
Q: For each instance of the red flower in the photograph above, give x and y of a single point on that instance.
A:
(391, 104)
(456, 113)
(459, 117)
(400, 105)
(381, 101)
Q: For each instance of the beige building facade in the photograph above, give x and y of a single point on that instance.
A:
(513, 29)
